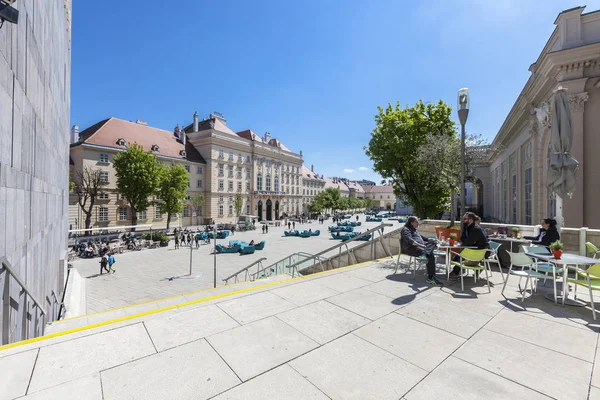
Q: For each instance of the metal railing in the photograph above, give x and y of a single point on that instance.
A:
(295, 267)
(30, 319)
(246, 271)
(287, 264)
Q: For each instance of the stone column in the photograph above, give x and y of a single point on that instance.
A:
(573, 208)
(536, 167)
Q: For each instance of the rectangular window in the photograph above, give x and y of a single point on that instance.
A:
(220, 198)
(221, 169)
(247, 185)
(104, 158)
(103, 196)
(239, 173)
(248, 159)
(528, 210)
(102, 214)
(157, 213)
(231, 209)
(199, 183)
(514, 199)
(248, 209)
(104, 176)
(239, 186)
(221, 154)
(230, 198)
(504, 199)
(189, 183)
(240, 158)
(230, 186)
(221, 184)
(199, 170)
(220, 210)
(187, 168)
(122, 213)
(230, 170)
(142, 215)
(230, 156)
(186, 211)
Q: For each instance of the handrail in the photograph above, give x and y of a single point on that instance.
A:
(339, 245)
(6, 265)
(245, 269)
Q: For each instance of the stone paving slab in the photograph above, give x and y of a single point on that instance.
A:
(257, 347)
(87, 387)
(457, 379)
(80, 357)
(193, 371)
(16, 372)
(554, 374)
(281, 383)
(365, 302)
(252, 308)
(352, 368)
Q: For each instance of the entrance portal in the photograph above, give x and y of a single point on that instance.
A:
(277, 209)
(260, 210)
(269, 210)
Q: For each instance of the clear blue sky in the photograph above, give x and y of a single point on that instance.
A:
(310, 72)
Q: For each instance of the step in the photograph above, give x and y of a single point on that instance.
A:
(154, 307)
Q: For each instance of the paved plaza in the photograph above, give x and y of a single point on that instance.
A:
(360, 332)
(144, 275)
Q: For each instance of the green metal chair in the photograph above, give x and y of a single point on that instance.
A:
(591, 279)
(528, 271)
(544, 268)
(592, 249)
(494, 258)
(476, 256)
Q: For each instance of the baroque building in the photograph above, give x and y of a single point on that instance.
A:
(514, 190)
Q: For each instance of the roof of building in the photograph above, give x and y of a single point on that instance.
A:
(250, 135)
(107, 132)
(336, 183)
(355, 186)
(307, 173)
(379, 189)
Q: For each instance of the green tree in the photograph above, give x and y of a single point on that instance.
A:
(238, 203)
(89, 184)
(315, 206)
(354, 203)
(329, 198)
(197, 201)
(368, 203)
(342, 204)
(138, 176)
(396, 142)
(172, 190)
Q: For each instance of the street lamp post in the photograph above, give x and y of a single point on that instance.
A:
(463, 114)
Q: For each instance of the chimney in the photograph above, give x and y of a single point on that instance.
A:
(75, 134)
(300, 153)
(183, 137)
(141, 122)
(195, 122)
(312, 168)
(267, 137)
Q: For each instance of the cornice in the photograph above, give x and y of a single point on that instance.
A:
(119, 149)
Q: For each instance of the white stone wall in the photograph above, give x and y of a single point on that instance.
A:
(35, 70)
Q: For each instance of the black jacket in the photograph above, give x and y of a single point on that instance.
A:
(549, 236)
(408, 236)
(473, 235)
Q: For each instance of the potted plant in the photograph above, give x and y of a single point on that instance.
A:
(452, 238)
(557, 249)
(515, 231)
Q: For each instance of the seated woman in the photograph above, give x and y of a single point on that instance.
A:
(548, 233)
(251, 243)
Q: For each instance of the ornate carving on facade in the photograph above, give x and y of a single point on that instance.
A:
(577, 101)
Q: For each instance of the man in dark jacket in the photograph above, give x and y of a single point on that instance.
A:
(414, 244)
(472, 235)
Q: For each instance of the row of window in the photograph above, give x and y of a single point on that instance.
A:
(230, 185)
(221, 169)
(104, 160)
(231, 156)
(230, 210)
(123, 214)
(506, 207)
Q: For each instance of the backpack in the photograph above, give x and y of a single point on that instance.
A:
(103, 262)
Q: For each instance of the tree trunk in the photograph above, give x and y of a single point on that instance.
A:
(133, 218)
(168, 220)
(88, 215)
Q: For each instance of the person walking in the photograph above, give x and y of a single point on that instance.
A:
(294, 224)
(233, 230)
(176, 241)
(289, 225)
(197, 240)
(111, 261)
(189, 239)
(183, 239)
(266, 228)
(104, 264)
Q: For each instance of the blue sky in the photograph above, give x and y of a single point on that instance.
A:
(311, 73)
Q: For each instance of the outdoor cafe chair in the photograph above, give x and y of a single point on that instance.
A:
(413, 261)
(494, 258)
(545, 268)
(475, 255)
(591, 279)
(592, 249)
(528, 271)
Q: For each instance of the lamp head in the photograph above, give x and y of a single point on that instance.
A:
(463, 99)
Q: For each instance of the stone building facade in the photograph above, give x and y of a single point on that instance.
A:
(96, 147)
(35, 87)
(312, 185)
(515, 188)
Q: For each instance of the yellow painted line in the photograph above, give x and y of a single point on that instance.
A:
(142, 314)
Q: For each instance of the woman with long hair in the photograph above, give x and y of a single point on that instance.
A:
(548, 233)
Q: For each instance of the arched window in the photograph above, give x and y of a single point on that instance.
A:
(268, 184)
(259, 181)
(276, 183)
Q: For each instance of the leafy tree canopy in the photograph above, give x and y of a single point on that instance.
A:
(395, 147)
(172, 189)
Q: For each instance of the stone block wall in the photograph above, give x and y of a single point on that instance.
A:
(35, 70)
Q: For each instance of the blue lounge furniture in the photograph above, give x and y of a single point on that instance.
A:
(315, 233)
(260, 246)
(247, 249)
(223, 249)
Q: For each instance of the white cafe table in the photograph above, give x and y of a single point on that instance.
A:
(567, 260)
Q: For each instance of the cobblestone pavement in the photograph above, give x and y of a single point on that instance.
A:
(143, 275)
